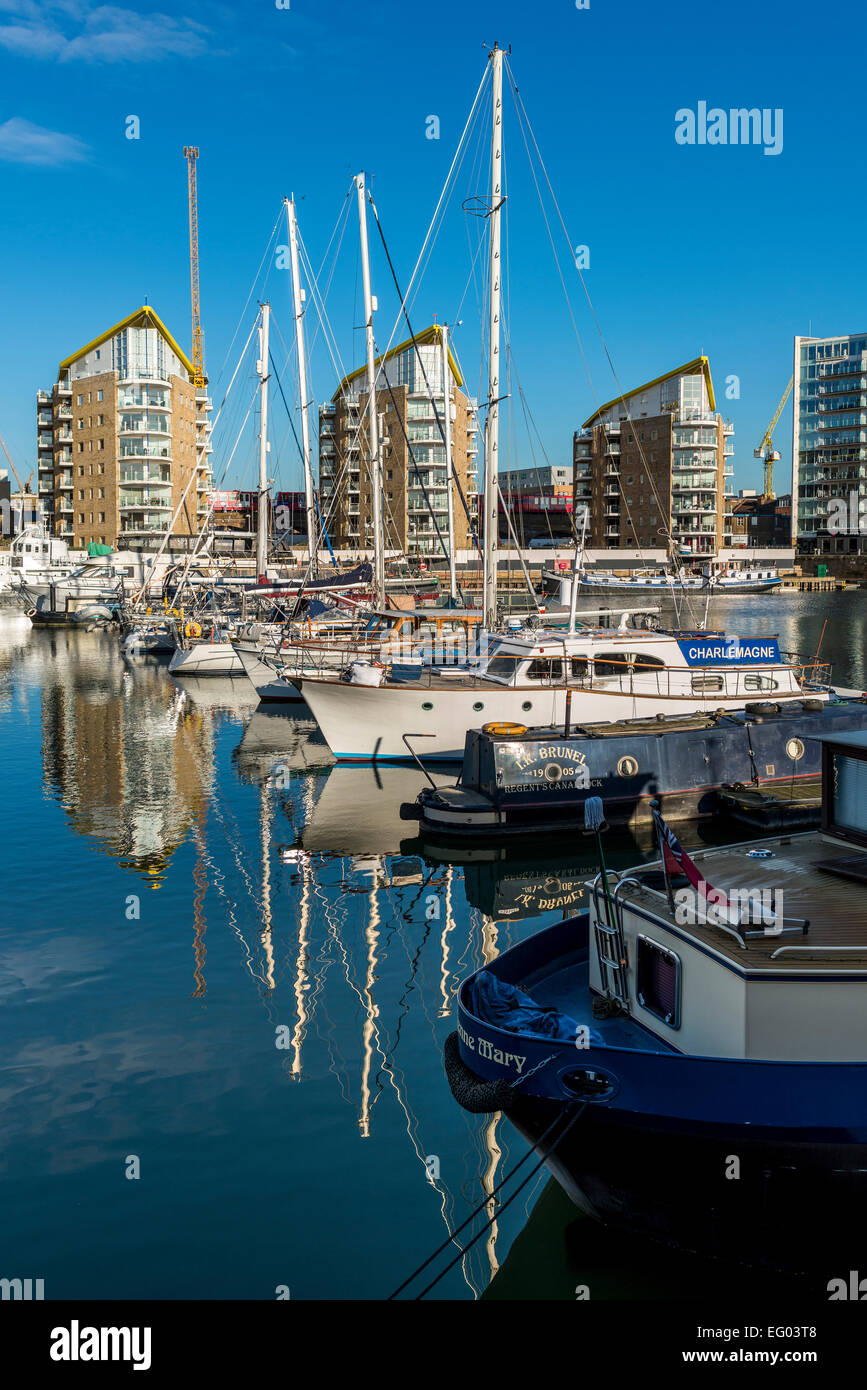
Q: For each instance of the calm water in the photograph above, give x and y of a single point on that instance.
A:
(189, 881)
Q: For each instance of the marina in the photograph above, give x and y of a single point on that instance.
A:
(433, 685)
(261, 891)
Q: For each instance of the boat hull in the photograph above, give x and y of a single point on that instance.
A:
(753, 1160)
(365, 724)
(206, 659)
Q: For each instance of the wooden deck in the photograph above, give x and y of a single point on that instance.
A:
(836, 907)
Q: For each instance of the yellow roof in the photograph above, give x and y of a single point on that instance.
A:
(698, 364)
(430, 335)
(141, 318)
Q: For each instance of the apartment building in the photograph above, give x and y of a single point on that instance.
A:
(829, 440)
(410, 395)
(656, 463)
(123, 437)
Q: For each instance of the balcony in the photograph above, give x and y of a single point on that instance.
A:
(44, 417)
(45, 441)
(64, 505)
(157, 476)
(64, 480)
(142, 502)
(43, 397)
(141, 451)
(63, 412)
(143, 374)
(63, 436)
(62, 388)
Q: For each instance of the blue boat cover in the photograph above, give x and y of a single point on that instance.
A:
(495, 1001)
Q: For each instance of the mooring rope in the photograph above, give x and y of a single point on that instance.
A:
(462, 1250)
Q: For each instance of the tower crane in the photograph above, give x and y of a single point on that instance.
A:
(22, 487)
(191, 154)
(766, 450)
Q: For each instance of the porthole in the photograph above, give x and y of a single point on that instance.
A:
(427, 705)
(795, 749)
(478, 706)
(627, 767)
(553, 772)
(527, 706)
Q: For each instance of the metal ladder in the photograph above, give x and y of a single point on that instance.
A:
(610, 948)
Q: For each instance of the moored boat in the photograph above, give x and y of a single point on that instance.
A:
(691, 1058)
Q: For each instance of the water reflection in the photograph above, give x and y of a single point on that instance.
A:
(290, 988)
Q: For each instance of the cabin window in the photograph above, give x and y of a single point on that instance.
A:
(527, 706)
(649, 663)
(478, 706)
(545, 669)
(580, 666)
(705, 683)
(658, 974)
(427, 705)
(613, 664)
(756, 682)
(503, 666)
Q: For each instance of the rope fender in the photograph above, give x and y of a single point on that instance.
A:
(470, 1091)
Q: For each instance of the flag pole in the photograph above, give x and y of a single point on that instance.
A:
(657, 822)
(594, 824)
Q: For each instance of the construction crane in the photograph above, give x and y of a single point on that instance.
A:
(766, 450)
(191, 154)
(22, 487)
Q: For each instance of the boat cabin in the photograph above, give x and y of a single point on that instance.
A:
(767, 958)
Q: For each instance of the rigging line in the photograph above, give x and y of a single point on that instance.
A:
(446, 394)
(507, 1177)
(507, 1203)
(439, 204)
(250, 294)
(521, 109)
(522, 116)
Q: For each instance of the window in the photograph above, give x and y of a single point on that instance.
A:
(757, 682)
(81, 446)
(100, 492)
(702, 684)
(81, 518)
(649, 663)
(81, 470)
(99, 394)
(102, 516)
(80, 422)
(100, 419)
(658, 975)
(612, 663)
(101, 444)
(545, 669)
(579, 667)
(89, 397)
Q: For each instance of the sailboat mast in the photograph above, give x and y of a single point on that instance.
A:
(298, 301)
(450, 494)
(492, 425)
(262, 519)
(372, 419)
(449, 464)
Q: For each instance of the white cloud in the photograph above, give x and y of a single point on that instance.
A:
(70, 30)
(22, 142)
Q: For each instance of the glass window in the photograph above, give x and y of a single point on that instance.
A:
(658, 981)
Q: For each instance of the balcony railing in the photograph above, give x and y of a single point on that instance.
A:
(152, 451)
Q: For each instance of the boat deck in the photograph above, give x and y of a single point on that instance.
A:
(833, 903)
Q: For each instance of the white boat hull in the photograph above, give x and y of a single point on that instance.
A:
(206, 659)
(269, 686)
(364, 724)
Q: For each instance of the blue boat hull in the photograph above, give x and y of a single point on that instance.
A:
(727, 1156)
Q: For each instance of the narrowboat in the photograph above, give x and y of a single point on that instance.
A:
(691, 1060)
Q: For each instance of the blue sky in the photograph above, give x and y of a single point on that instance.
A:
(719, 249)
